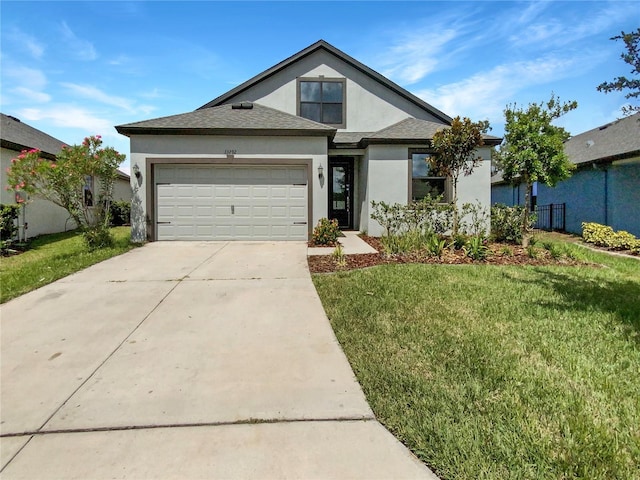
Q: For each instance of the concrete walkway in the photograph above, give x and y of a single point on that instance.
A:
(186, 360)
(351, 243)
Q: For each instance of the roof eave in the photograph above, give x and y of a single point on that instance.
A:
(16, 147)
(128, 131)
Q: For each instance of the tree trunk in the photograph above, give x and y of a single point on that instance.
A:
(525, 217)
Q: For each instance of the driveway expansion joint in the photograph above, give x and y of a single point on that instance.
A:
(249, 421)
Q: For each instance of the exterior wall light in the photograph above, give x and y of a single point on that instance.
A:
(320, 171)
(136, 171)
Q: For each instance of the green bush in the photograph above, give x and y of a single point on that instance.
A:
(98, 237)
(435, 246)
(425, 216)
(605, 236)
(326, 232)
(506, 223)
(476, 249)
(8, 225)
(120, 213)
(8, 221)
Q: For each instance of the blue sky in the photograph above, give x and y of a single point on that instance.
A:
(75, 68)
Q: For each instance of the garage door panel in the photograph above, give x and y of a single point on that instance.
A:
(231, 202)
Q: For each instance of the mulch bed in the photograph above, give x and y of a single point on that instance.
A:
(497, 256)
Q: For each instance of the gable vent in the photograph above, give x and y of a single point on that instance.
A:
(242, 106)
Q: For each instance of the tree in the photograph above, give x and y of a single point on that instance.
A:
(63, 182)
(533, 150)
(632, 57)
(456, 154)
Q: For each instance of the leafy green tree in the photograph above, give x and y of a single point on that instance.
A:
(532, 149)
(632, 57)
(63, 182)
(456, 154)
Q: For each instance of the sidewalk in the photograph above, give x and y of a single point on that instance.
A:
(351, 243)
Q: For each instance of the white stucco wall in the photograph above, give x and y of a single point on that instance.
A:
(388, 179)
(201, 148)
(370, 106)
(388, 176)
(40, 215)
(122, 189)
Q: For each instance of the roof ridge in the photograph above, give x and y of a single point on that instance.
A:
(322, 44)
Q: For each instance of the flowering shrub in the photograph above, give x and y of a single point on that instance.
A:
(506, 223)
(605, 236)
(63, 182)
(326, 232)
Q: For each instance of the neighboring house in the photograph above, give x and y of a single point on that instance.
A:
(604, 188)
(41, 216)
(317, 135)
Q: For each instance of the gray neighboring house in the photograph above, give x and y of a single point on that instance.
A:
(317, 135)
(40, 216)
(605, 187)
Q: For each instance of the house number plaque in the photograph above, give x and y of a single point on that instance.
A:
(230, 151)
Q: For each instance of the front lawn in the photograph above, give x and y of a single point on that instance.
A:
(51, 257)
(499, 371)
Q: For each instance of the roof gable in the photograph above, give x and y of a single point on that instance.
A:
(325, 46)
(17, 135)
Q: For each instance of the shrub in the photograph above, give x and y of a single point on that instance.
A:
(120, 213)
(411, 241)
(8, 222)
(476, 249)
(326, 232)
(339, 257)
(506, 223)
(98, 237)
(474, 219)
(425, 216)
(435, 246)
(604, 236)
(8, 226)
(459, 240)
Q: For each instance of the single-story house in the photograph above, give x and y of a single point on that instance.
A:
(604, 188)
(317, 135)
(41, 216)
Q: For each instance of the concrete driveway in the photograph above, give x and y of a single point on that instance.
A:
(186, 360)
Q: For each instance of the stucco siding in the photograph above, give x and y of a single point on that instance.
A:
(583, 195)
(203, 149)
(624, 197)
(122, 190)
(383, 106)
(41, 216)
(388, 178)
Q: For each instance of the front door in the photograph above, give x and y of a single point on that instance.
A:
(341, 191)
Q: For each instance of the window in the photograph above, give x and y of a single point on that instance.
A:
(88, 191)
(423, 182)
(322, 100)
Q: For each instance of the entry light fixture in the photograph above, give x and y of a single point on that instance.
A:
(136, 171)
(320, 171)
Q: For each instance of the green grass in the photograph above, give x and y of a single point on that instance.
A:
(490, 372)
(51, 257)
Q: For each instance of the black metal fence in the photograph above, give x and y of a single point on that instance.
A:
(550, 217)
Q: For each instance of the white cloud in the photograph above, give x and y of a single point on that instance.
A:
(416, 55)
(24, 76)
(69, 116)
(93, 93)
(82, 49)
(31, 95)
(26, 42)
(485, 94)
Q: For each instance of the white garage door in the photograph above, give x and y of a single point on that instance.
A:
(205, 202)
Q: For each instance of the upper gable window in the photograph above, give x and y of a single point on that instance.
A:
(322, 100)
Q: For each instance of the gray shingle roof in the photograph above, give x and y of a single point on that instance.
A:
(350, 137)
(321, 44)
(225, 119)
(414, 129)
(18, 136)
(617, 139)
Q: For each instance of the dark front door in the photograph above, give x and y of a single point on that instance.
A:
(341, 191)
